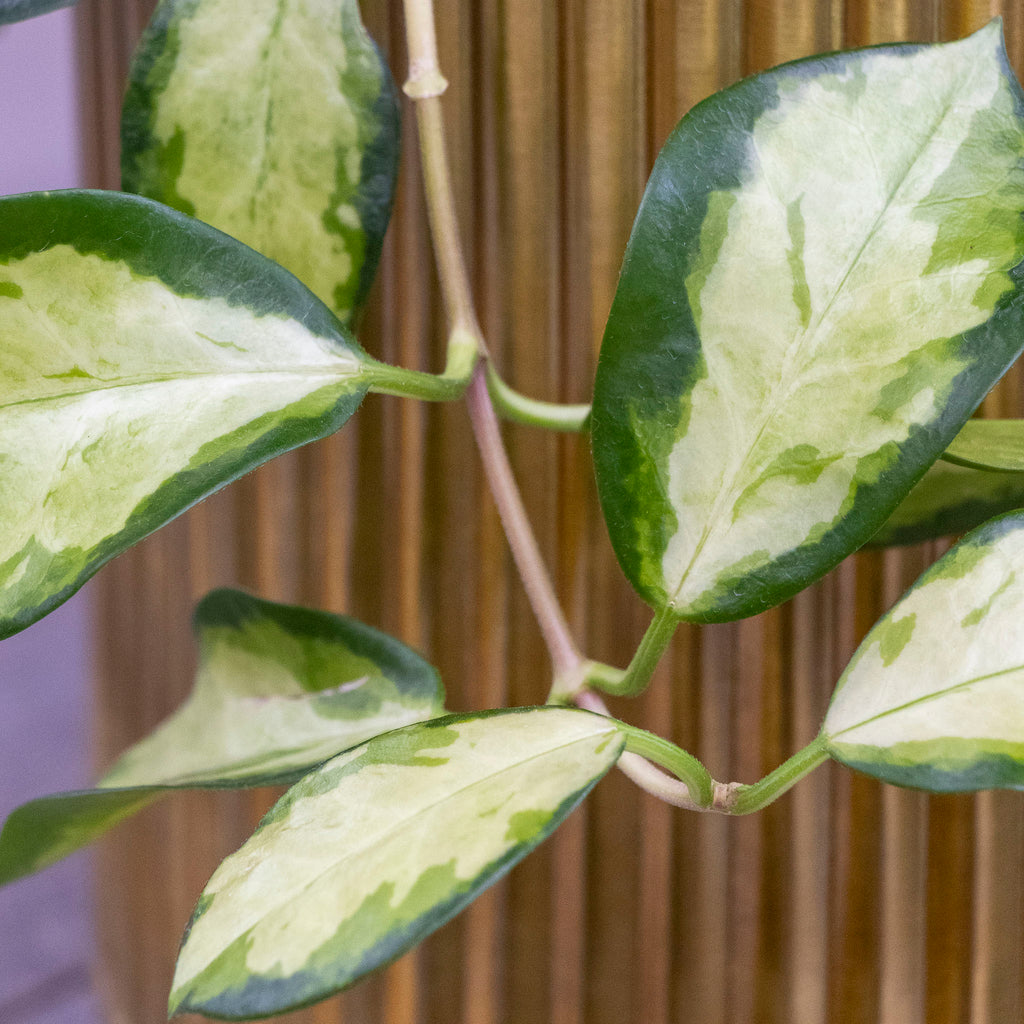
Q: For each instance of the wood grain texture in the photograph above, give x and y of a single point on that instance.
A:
(845, 901)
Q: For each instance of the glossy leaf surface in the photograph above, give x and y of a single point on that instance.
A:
(145, 361)
(279, 126)
(934, 696)
(820, 287)
(278, 690)
(377, 848)
(950, 499)
(21, 10)
(995, 445)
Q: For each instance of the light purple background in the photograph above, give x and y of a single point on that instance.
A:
(46, 945)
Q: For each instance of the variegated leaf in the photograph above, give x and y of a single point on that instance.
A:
(820, 287)
(20, 10)
(277, 124)
(377, 848)
(995, 445)
(950, 499)
(279, 690)
(934, 696)
(146, 359)
(42, 832)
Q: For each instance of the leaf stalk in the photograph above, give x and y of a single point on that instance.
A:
(640, 670)
(679, 762)
(743, 799)
(568, 419)
(693, 788)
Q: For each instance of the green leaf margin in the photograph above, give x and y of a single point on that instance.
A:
(151, 67)
(956, 764)
(21, 10)
(194, 260)
(642, 379)
(281, 994)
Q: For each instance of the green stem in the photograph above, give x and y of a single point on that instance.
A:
(604, 677)
(645, 661)
(683, 765)
(747, 799)
(463, 353)
(429, 387)
(533, 412)
(585, 675)
(692, 791)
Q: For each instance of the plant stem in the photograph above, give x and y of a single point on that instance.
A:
(425, 78)
(604, 677)
(685, 794)
(425, 85)
(570, 419)
(746, 799)
(645, 661)
(567, 660)
(694, 789)
(679, 762)
(430, 387)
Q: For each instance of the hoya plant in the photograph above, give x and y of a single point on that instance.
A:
(823, 281)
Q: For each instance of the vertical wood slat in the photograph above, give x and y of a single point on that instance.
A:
(903, 865)
(484, 923)
(846, 901)
(609, 143)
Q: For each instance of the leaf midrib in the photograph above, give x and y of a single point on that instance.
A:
(388, 833)
(230, 768)
(936, 695)
(269, 66)
(326, 372)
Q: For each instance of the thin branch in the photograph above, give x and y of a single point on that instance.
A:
(424, 86)
(695, 790)
(640, 670)
(567, 660)
(640, 771)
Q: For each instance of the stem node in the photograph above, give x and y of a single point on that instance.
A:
(425, 80)
(724, 796)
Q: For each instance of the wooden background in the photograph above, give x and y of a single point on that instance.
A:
(846, 901)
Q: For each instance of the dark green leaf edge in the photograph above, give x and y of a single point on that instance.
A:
(196, 260)
(42, 832)
(21, 10)
(147, 167)
(263, 997)
(630, 352)
(236, 608)
(31, 838)
(996, 446)
(378, 174)
(948, 500)
(46, 830)
(192, 258)
(252, 446)
(957, 766)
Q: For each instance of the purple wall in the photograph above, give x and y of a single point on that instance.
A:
(45, 927)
